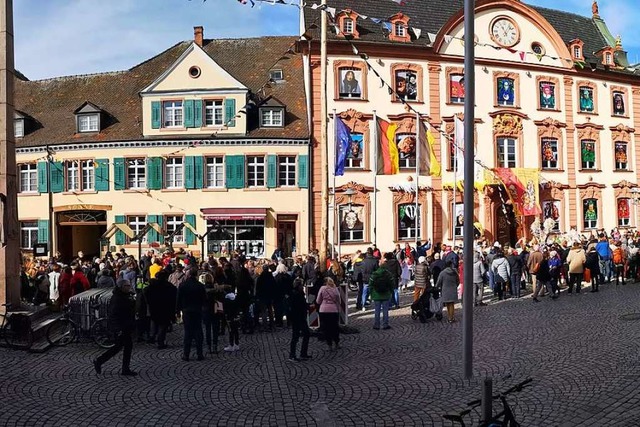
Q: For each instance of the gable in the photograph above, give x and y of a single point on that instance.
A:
(180, 76)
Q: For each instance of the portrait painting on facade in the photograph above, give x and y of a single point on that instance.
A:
(551, 209)
(458, 219)
(618, 104)
(506, 93)
(351, 222)
(623, 210)
(547, 95)
(590, 213)
(621, 155)
(586, 99)
(549, 153)
(456, 87)
(350, 83)
(406, 85)
(356, 148)
(588, 153)
(406, 146)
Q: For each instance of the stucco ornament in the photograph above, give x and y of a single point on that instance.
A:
(507, 125)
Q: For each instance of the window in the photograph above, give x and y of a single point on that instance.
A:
(28, 178)
(407, 214)
(406, 149)
(400, 29)
(137, 224)
(347, 26)
(458, 219)
(351, 223)
(174, 173)
(547, 96)
(608, 58)
(213, 114)
(453, 159)
(88, 123)
(621, 155)
(506, 153)
(271, 117)
(18, 128)
(172, 114)
(350, 79)
(456, 88)
(590, 213)
(276, 75)
(286, 171)
(588, 154)
(618, 104)
(537, 48)
(355, 154)
(406, 85)
(551, 209)
(586, 99)
(136, 173)
(577, 52)
(236, 235)
(28, 234)
(255, 171)
(549, 153)
(80, 175)
(623, 213)
(506, 91)
(215, 172)
(172, 223)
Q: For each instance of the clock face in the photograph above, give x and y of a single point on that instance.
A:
(504, 32)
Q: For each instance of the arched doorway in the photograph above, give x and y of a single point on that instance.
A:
(79, 230)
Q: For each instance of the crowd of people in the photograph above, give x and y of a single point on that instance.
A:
(223, 296)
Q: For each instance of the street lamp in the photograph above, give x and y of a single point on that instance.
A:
(349, 192)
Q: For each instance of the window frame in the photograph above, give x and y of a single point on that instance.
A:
(347, 25)
(172, 219)
(214, 109)
(585, 165)
(140, 165)
(271, 122)
(506, 162)
(618, 218)
(273, 75)
(624, 166)
(18, 128)
(415, 69)
(90, 128)
(399, 29)
(590, 226)
(555, 141)
(31, 168)
(594, 93)
(214, 165)
(553, 81)
(409, 162)
(253, 170)
(410, 236)
(167, 175)
(515, 79)
(450, 72)
(289, 165)
(355, 66)
(83, 172)
(353, 234)
(134, 226)
(32, 232)
(175, 109)
(624, 92)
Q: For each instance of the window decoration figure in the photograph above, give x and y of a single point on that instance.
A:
(349, 83)
(547, 96)
(506, 95)
(586, 99)
(618, 104)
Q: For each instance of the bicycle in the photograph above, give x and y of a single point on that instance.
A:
(504, 418)
(16, 329)
(65, 330)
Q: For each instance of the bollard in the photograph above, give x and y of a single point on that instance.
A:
(487, 399)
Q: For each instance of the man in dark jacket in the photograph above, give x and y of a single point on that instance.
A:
(298, 309)
(516, 265)
(122, 309)
(368, 266)
(161, 299)
(392, 265)
(191, 298)
(309, 271)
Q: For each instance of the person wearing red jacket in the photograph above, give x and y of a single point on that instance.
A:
(79, 282)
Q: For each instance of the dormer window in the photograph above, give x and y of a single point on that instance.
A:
(577, 52)
(399, 25)
(348, 24)
(575, 47)
(88, 118)
(276, 75)
(18, 128)
(271, 117)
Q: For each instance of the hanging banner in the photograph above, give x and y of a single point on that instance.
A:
(529, 178)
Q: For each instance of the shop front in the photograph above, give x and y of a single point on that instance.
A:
(236, 229)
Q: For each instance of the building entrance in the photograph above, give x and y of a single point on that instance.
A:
(80, 230)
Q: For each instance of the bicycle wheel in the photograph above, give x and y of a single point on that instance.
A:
(102, 335)
(18, 333)
(61, 332)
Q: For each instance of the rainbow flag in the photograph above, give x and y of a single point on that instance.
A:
(388, 158)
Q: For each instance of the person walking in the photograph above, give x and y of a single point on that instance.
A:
(231, 310)
(381, 284)
(543, 276)
(593, 264)
(191, 297)
(161, 301)
(122, 308)
(369, 265)
(447, 283)
(422, 280)
(576, 260)
(501, 273)
(479, 271)
(329, 301)
(604, 257)
(283, 287)
(619, 259)
(516, 266)
(297, 319)
(533, 263)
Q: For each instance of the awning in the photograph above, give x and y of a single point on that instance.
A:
(234, 213)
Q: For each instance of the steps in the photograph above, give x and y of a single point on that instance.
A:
(41, 317)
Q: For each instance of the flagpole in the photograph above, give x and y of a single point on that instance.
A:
(336, 213)
(324, 145)
(417, 224)
(375, 177)
(455, 183)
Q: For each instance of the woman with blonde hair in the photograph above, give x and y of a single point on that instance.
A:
(328, 300)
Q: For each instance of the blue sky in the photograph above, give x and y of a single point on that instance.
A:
(66, 37)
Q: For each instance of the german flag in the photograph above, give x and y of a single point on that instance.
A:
(388, 158)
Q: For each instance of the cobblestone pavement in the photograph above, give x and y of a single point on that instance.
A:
(582, 355)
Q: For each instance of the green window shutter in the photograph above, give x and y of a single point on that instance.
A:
(152, 235)
(272, 171)
(43, 182)
(57, 177)
(102, 174)
(154, 173)
(239, 172)
(303, 171)
(121, 238)
(43, 231)
(119, 174)
(188, 113)
(198, 168)
(189, 173)
(160, 220)
(197, 113)
(229, 164)
(156, 114)
(190, 237)
(229, 112)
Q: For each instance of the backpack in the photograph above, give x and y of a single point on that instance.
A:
(618, 256)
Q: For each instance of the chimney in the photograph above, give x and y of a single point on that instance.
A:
(198, 33)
